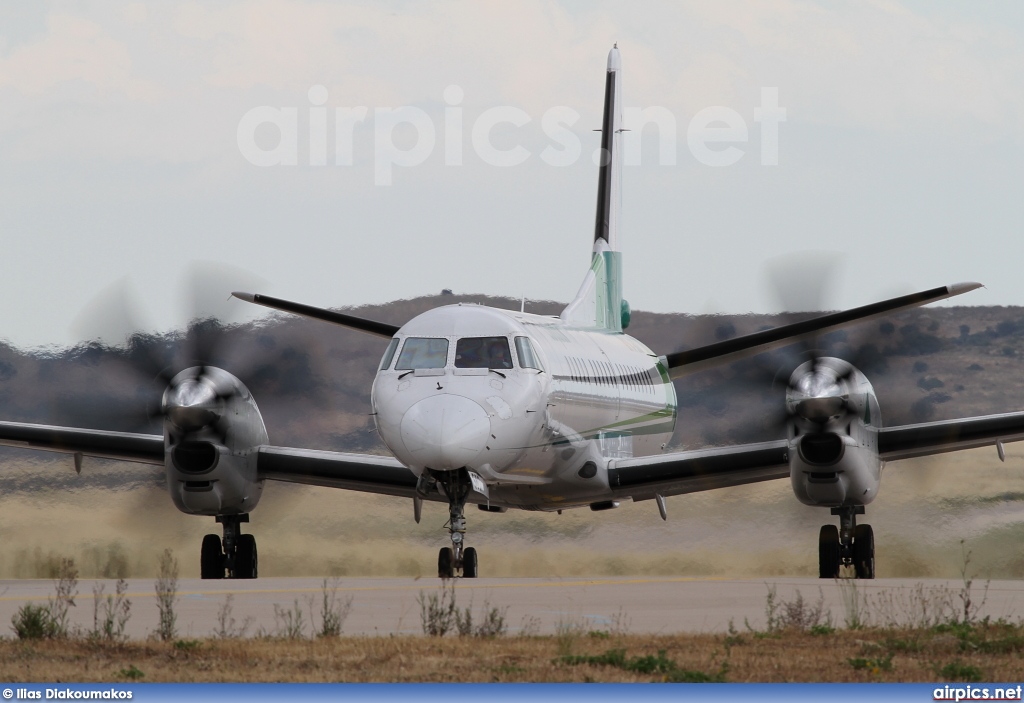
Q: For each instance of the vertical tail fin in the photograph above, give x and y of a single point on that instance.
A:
(609, 180)
(599, 301)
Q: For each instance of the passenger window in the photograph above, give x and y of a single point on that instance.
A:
(423, 353)
(483, 353)
(389, 354)
(527, 359)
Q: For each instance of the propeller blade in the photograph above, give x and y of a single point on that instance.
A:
(112, 322)
(150, 363)
(213, 314)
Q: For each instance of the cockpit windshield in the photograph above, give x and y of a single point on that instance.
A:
(527, 357)
(389, 354)
(423, 353)
(483, 353)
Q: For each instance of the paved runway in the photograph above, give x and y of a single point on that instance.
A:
(382, 606)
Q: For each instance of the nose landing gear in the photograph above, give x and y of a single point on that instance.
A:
(458, 557)
(235, 554)
(850, 545)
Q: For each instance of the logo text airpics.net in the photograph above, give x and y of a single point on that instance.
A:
(715, 136)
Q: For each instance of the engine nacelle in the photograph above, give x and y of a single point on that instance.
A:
(212, 430)
(833, 431)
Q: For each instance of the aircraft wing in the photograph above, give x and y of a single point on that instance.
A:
(928, 438)
(357, 472)
(126, 446)
(381, 329)
(699, 470)
(729, 350)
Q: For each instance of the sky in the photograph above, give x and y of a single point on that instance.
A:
(123, 156)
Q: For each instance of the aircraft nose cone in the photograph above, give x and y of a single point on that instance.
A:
(445, 432)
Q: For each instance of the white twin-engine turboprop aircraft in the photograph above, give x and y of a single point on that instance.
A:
(505, 409)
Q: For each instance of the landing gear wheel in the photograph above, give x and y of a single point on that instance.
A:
(211, 559)
(445, 567)
(456, 485)
(864, 552)
(829, 554)
(246, 561)
(469, 563)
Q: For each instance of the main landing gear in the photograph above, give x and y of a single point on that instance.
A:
(458, 557)
(236, 555)
(850, 545)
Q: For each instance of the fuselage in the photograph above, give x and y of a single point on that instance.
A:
(532, 405)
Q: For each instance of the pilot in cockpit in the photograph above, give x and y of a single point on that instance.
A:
(497, 350)
(483, 353)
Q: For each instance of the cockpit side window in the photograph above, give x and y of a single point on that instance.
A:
(527, 359)
(483, 353)
(389, 354)
(423, 353)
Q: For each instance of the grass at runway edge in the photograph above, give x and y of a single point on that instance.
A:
(990, 652)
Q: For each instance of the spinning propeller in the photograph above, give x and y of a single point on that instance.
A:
(815, 370)
(175, 376)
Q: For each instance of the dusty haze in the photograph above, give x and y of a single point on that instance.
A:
(926, 507)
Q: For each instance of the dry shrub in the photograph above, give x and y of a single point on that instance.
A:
(110, 614)
(227, 626)
(333, 609)
(64, 600)
(796, 614)
(167, 596)
(289, 623)
(438, 610)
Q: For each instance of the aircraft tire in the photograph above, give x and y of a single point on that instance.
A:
(469, 563)
(211, 558)
(829, 555)
(246, 558)
(864, 551)
(445, 568)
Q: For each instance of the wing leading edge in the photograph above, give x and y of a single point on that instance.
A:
(362, 324)
(720, 467)
(104, 444)
(699, 470)
(357, 472)
(729, 350)
(925, 439)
